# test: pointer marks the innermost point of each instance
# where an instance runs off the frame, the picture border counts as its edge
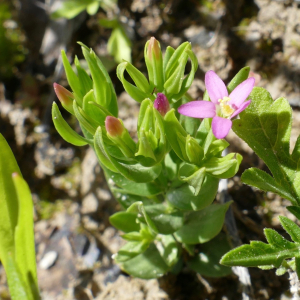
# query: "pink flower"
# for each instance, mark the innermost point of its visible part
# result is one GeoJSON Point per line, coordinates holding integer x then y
{"type": "Point", "coordinates": [223, 107]}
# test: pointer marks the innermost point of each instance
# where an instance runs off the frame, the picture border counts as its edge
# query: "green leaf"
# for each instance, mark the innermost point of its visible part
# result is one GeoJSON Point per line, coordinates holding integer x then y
{"type": "Point", "coordinates": [125, 221]}
{"type": "Point", "coordinates": [261, 254]}
{"type": "Point", "coordinates": [168, 248]}
{"type": "Point", "coordinates": [119, 45]}
{"type": "Point", "coordinates": [17, 252]}
{"type": "Point", "coordinates": [131, 170]}
{"type": "Point", "coordinates": [91, 108]}
{"type": "Point", "coordinates": [105, 94]}
{"type": "Point", "coordinates": [169, 52]}
{"type": "Point", "coordinates": [132, 90]}
{"type": "Point", "coordinates": [265, 182]}
{"type": "Point", "coordinates": [176, 135]}
{"type": "Point", "coordinates": [85, 121]}
{"type": "Point", "coordinates": [93, 8]}
{"type": "Point", "coordinates": [194, 151]}
{"type": "Point", "coordinates": [147, 265]}
{"type": "Point", "coordinates": [8, 201]}
{"type": "Point", "coordinates": [63, 128]}
{"type": "Point", "coordinates": [188, 80]}
{"type": "Point", "coordinates": [73, 80]}
{"type": "Point", "coordinates": [241, 76]}
{"type": "Point", "coordinates": [71, 8]}
{"type": "Point", "coordinates": [203, 225]}
{"type": "Point", "coordinates": [138, 77]}
{"type": "Point", "coordinates": [166, 221]}
{"type": "Point", "coordinates": [17, 287]}
{"type": "Point", "coordinates": [291, 228]}
{"type": "Point", "coordinates": [295, 210]}
{"type": "Point", "coordinates": [131, 187]}
{"type": "Point", "coordinates": [175, 58]}
{"type": "Point", "coordinates": [183, 197]}
{"type": "Point", "coordinates": [174, 83]}
{"type": "Point", "coordinates": [193, 176]}
{"type": "Point", "coordinates": [266, 126]}
{"type": "Point", "coordinates": [224, 167]}
{"type": "Point", "coordinates": [130, 250]}
{"type": "Point", "coordinates": [24, 235]}
{"type": "Point", "coordinates": [84, 79]}
{"type": "Point", "coordinates": [206, 262]}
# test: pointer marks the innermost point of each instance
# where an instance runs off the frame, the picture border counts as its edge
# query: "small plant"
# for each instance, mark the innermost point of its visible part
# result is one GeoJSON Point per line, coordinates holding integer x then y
{"type": "Point", "coordinates": [167, 180]}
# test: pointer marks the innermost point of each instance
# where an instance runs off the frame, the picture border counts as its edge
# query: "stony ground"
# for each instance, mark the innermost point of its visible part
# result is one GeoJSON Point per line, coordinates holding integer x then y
{"type": "Point", "coordinates": [74, 240]}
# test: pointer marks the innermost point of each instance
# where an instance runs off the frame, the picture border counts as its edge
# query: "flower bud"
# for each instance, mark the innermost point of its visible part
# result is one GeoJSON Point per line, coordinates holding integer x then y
{"type": "Point", "coordinates": [113, 126]}
{"type": "Point", "coordinates": [154, 62]}
{"type": "Point", "coordinates": [161, 103]}
{"type": "Point", "coordinates": [117, 133]}
{"type": "Point", "coordinates": [153, 49]}
{"type": "Point", "coordinates": [65, 97]}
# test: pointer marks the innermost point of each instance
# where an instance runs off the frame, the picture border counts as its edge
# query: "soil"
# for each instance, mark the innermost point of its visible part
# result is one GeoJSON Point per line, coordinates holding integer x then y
{"type": "Point", "coordinates": [72, 200]}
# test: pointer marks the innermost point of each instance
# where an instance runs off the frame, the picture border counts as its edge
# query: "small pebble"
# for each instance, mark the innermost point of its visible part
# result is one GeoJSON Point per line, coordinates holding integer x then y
{"type": "Point", "coordinates": [48, 260]}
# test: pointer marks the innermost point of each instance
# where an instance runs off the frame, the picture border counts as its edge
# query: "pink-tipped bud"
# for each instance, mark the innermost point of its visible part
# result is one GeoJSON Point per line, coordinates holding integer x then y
{"type": "Point", "coordinates": [64, 96]}
{"type": "Point", "coordinates": [161, 103]}
{"type": "Point", "coordinates": [153, 47]}
{"type": "Point", "coordinates": [113, 126]}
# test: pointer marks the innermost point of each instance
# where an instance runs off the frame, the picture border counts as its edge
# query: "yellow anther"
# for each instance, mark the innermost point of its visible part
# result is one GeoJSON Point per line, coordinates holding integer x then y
{"type": "Point", "coordinates": [226, 109]}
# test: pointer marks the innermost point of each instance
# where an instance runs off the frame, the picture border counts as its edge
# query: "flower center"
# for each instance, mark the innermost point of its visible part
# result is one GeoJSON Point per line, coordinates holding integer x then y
{"type": "Point", "coordinates": [226, 109]}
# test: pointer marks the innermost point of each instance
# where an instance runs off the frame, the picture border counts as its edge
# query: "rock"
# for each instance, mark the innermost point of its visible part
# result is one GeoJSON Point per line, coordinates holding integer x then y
{"type": "Point", "coordinates": [89, 204]}
{"type": "Point", "coordinates": [48, 260]}
{"type": "Point", "coordinates": [90, 168]}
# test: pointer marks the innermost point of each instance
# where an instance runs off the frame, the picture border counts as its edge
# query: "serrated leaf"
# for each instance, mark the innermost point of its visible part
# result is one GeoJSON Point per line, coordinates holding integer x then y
{"type": "Point", "coordinates": [265, 182]}
{"type": "Point", "coordinates": [291, 228]}
{"type": "Point", "coordinates": [295, 210]}
{"type": "Point", "coordinates": [259, 254]}
{"type": "Point", "coordinates": [266, 126]}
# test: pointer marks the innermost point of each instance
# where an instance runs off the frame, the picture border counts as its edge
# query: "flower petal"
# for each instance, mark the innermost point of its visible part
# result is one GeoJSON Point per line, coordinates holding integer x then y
{"type": "Point", "coordinates": [216, 88]}
{"type": "Point", "coordinates": [241, 108]}
{"type": "Point", "coordinates": [220, 127]}
{"type": "Point", "coordinates": [241, 92]}
{"type": "Point", "coordinates": [198, 109]}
